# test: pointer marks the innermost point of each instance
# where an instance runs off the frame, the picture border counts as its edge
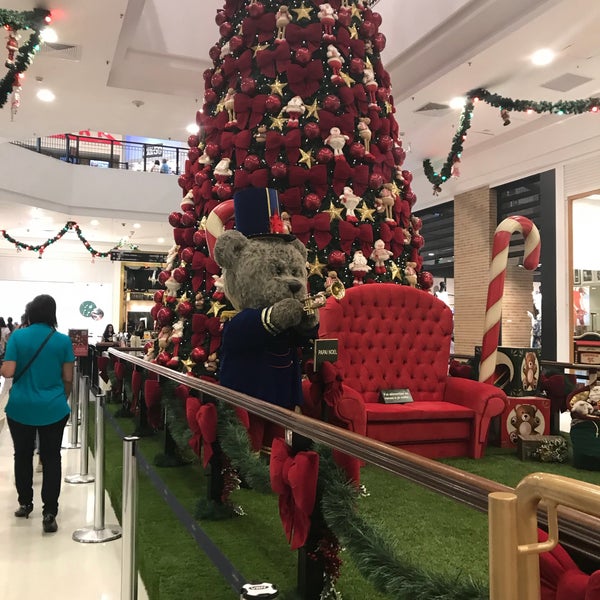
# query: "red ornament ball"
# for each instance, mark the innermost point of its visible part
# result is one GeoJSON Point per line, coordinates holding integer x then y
{"type": "Point", "coordinates": [210, 96]}
{"type": "Point", "coordinates": [236, 42]}
{"type": "Point", "coordinates": [158, 296]}
{"type": "Point", "coordinates": [345, 16]}
{"type": "Point", "coordinates": [379, 42]}
{"type": "Point", "coordinates": [410, 197]}
{"type": "Point", "coordinates": [200, 177]}
{"type": "Point", "coordinates": [154, 310]}
{"type": "Point", "coordinates": [193, 154]}
{"type": "Point", "coordinates": [303, 55]}
{"type": "Point", "coordinates": [336, 259]}
{"type": "Point", "coordinates": [383, 94]}
{"type": "Point", "coordinates": [248, 86]}
{"type": "Point", "coordinates": [198, 355]}
{"type": "Point", "coordinates": [223, 191]}
{"type": "Point", "coordinates": [312, 202]}
{"type": "Point", "coordinates": [180, 274]}
{"type": "Point", "coordinates": [256, 10]}
{"type": "Point", "coordinates": [385, 143]}
{"type": "Point", "coordinates": [279, 170]}
{"type": "Point", "coordinates": [368, 29]}
{"type": "Point", "coordinates": [199, 237]}
{"type": "Point", "coordinates": [220, 17]}
{"type": "Point", "coordinates": [188, 219]}
{"type": "Point", "coordinates": [214, 53]}
{"type": "Point", "coordinates": [273, 103]}
{"type": "Point", "coordinates": [185, 309]}
{"type": "Point", "coordinates": [193, 141]}
{"type": "Point", "coordinates": [175, 219]}
{"type": "Point", "coordinates": [357, 65]}
{"type": "Point", "coordinates": [425, 279]}
{"type": "Point", "coordinates": [331, 103]}
{"type": "Point", "coordinates": [212, 149]}
{"type": "Point", "coordinates": [375, 181]}
{"type": "Point", "coordinates": [398, 153]}
{"type": "Point", "coordinates": [226, 29]}
{"type": "Point", "coordinates": [163, 276]}
{"type": "Point", "coordinates": [183, 182]}
{"type": "Point", "coordinates": [417, 222]}
{"type": "Point", "coordinates": [251, 162]}
{"type": "Point", "coordinates": [312, 130]}
{"type": "Point", "coordinates": [417, 240]}
{"type": "Point", "coordinates": [407, 176]}
{"type": "Point", "coordinates": [187, 254]}
{"type": "Point", "coordinates": [164, 316]}
{"type": "Point", "coordinates": [357, 150]}
{"type": "Point", "coordinates": [163, 358]}
{"type": "Point", "coordinates": [376, 18]}
{"type": "Point", "coordinates": [324, 155]}
{"type": "Point", "coordinates": [217, 80]}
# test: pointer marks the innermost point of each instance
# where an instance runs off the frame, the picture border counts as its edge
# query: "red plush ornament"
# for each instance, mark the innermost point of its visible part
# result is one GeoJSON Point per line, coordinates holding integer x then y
{"type": "Point", "coordinates": [425, 280]}
{"type": "Point", "coordinates": [188, 219]}
{"type": "Point", "coordinates": [383, 94]}
{"type": "Point", "coordinates": [357, 150]}
{"type": "Point", "coordinates": [210, 96]}
{"type": "Point", "coordinates": [375, 181]}
{"type": "Point", "coordinates": [324, 155]}
{"type": "Point", "coordinates": [215, 53]}
{"type": "Point", "coordinates": [345, 16]}
{"type": "Point", "coordinates": [185, 309]}
{"type": "Point", "coordinates": [212, 150]}
{"type": "Point", "coordinates": [193, 141]}
{"type": "Point", "coordinates": [251, 162]}
{"type": "Point", "coordinates": [199, 237]}
{"type": "Point", "coordinates": [368, 29]}
{"type": "Point", "coordinates": [154, 310]}
{"type": "Point", "coordinates": [223, 191]}
{"type": "Point", "coordinates": [312, 130]}
{"type": "Point", "coordinates": [385, 143]}
{"type": "Point", "coordinates": [180, 274]}
{"type": "Point", "coordinates": [279, 170]}
{"type": "Point", "coordinates": [164, 316]}
{"type": "Point", "coordinates": [336, 259]}
{"type": "Point", "coordinates": [226, 29]}
{"type": "Point", "coordinates": [273, 103]}
{"type": "Point", "coordinates": [236, 42]}
{"type": "Point", "coordinates": [255, 9]}
{"type": "Point", "coordinates": [379, 42]}
{"type": "Point", "coordinates": [357, 65]}
{"type": "Point", "coordinates": [312, 202]}
{"type": "Point", "coordinates": [217, 80]}
{"type": "Point", "coordinates": [183, 182]}
{"type": "Point", "coordinates": [200, 177]}
{"type": "Point", "coordinates": [198, 355]}
{"type": "Point", "coordinates": [220, 17]}
{"type": "Point", "coordinates": [158, 296]}
{"type": "Point", "coordinates": [163, 358]}
{"type": "Point", "coordinates": [175, 219]}
{"type": "Point", "coordinates": [303, 55]}
{"type": "Point", "coordinates": [417, 240]}
{"type": "Point", "coordinates": [248, 86]}
{"type": "Point", "coordinates": [163, 276]}
{"type": "Point", "coordinates": [193, 154]}
{"type": "Point", "coordinates": [407, 176]}
{"type": "Point", "coordinates": [376, 18]}
{"type": "Point", "coordinates": [331, 103]}
{"type": "Point", "coordinates": [187, 254]}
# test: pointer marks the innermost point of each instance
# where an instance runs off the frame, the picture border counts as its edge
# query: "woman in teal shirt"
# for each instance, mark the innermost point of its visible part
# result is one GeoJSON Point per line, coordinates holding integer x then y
{"type": "Point", "coordinates": [41, 362]}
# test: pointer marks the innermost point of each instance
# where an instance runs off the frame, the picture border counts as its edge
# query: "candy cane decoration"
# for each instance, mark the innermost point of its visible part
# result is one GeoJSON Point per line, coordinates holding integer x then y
{"type": "Point", "coordinates": [493, 313]}
{"type": "Point", "coordinates": [215, 223]}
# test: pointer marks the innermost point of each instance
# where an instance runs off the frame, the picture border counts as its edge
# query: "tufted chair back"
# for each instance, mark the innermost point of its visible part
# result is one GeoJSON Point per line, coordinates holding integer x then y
{"type": "Point", "coordinates": [390, 337]}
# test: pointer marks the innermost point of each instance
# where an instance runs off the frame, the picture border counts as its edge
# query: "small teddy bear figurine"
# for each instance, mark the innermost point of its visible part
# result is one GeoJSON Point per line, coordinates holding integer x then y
{"type": "Point", "coordinates": [364, 133]}
{"type": "Point", "coordinates": [379, 255]}
{"type": "Point", "coordinates": [261, 134]}
{"type": "Point", "coordinates": [229, 103]}
{"type": "Point", "coordinates": [337, 140]}
{"type": "Point", "coordinates": [222, 171]}
{"type": "Point", "coordinates": [359, 267]}
{"type": "Point", "coordinates": [295, 109]}
{"type": "Point", "coordinates": [282, 20]}
{"type": "Point", "coordinates": [350, 200]}
{"type": "Point", "coordinates": [410, 273]}
{"type": "Point", "coordinates": [371, 84]}
{"type": "Point", "coordinates": [335, 60]}
{"type": "Point", "coordinates": [327, 16]}
{"type": "Point", "coordinates": [384, 203]}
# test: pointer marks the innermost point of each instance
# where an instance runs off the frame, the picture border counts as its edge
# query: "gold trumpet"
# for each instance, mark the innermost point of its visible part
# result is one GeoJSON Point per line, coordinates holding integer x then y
{"type": "Point", "coordinates": [316, 301]}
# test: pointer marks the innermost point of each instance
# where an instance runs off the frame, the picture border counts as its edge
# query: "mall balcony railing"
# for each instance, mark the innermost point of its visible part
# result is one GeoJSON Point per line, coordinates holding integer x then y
{"type": "Point", "coordinates": [107, 152]}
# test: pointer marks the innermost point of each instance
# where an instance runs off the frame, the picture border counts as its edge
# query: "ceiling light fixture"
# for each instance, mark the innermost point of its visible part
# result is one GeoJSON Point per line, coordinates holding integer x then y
{"type": "Point", "coordinates": [542, 57]}
{"type": "Point", "coordinates": [48, 35]}
{"type": "Point", "coordinates": [458, 103]}
{"type": "Point", "coordinates": [94, 222]}
{"type": "Point", "coordinates": [46, 95]}
{"type": "Point", "coordinates": [136, 225]}
{"type": "Point", "coordinates": [161, 240]}
{"type": "Point", "coordinates": [192, 128]}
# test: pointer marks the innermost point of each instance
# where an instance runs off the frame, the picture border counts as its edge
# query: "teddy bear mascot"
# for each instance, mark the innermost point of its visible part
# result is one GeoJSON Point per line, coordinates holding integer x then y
{"type": "Point", "coordinates": [265, 279]}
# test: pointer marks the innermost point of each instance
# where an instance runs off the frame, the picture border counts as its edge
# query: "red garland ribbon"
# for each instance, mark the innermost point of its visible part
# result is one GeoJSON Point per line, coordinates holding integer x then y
{"type": "Point", "coordinates": [227, 141]}
{"type": "Point", "coordinates": [349, 233]}
{"type": "Point", "coordinates": [354, 99]}
{"type": "Point", "coordinates": [397, 241]}
{"type": "Point", "coordinates": [305, 81]}
{"type": "Point", "coordinates": [290, 141]}
{"type": "Point", "coordinates": [298, 36]}
{"type": "Point", "coordinates": [319, 227]}
{"type": "Point", "coordinates": [136, 388]}
{"type": "Point", "coordinates": [294, 478]}
{"type": "Point", "coordinates": [199, 270]}
{"type": "Point", "coordinates": [243, 63]}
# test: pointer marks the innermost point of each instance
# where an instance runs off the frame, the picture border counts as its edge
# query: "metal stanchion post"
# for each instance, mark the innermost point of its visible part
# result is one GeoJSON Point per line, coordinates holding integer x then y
{"type": "Point", "coordinates": [73, 443]}
{"type": "Point", "coordinates": [129, 520]}
{"type": "Point", "coordinates": [83, 476]}
{"type": "Point", "coordinates": [99, 532]}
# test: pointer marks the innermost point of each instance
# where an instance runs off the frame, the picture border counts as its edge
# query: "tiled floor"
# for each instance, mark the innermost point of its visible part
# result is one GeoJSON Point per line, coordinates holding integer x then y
{"type": "Point", "coordinates": [35, 565]}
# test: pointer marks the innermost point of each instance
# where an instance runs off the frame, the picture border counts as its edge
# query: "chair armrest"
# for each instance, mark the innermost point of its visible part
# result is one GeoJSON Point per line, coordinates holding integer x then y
{"type": "Point", "coordinates": [483, 398]}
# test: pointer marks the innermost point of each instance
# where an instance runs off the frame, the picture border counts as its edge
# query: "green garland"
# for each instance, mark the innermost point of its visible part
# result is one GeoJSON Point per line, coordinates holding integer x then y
{"type": "Point", "coordinates": [16, 21]}
{"type": "Point", "coordinates": [41, 247]}
{"type": "Point", "coordinates": [506, 105]}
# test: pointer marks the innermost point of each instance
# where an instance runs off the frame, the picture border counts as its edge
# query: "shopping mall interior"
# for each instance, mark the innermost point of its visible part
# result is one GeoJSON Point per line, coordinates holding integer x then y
{"type": "Point", "coordinates": [120, 88]}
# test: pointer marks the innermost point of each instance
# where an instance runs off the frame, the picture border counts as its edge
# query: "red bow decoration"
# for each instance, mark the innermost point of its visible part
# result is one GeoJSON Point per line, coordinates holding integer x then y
{"type": "Point", "coordinates": [360, 179]}
{"type": "Point", "coordinates": [136, 388]}
{"type": "Point", "coordinates": [354, 99]}
{"type": "Point", "coordinates": [272, 62]}
{"type": "Point", "coordinates": [226, 144]}
{"type": "Point", "coordinates": [258, 178]}
{"type": "Point", "coordinates": [202, 419]}
{"type": "Point", "coordinates": [397, 241]}
{"type": "Point", "coordinates": [291, 200]}
{"type": "Point", "coordinates": [229, 66]}
{"type": "Point", "coordinates": [242, 143]}
{"type": "Point", "coordinates": [305, 81]}
{"type": "Point", "coordinates": [152, 398]}
{"type": "Point", "coordinates": [199, 270]}
{"type": "Point", "coordinates": [386, 233]}
{"type": "Point", "coordinates": [341, 173]}
{"type": "Point", "coordinates": [345, 122]}
{"type": "Point", "coordinates": [275, 141]}
{"type": "Point", "coordinates": [310, 36]}
{"type": "Point", "coordinates": [212, 268]}
{"type": "Point", "coordinates": [316, 177]}
{"type": "Point", "coordinates": [263, 26]}
{"type": "Point", "coordinates": [319, 227]}
{"type": "Point", "coordinates": [199, 329]}
{"type": "Point", "coordinates": [243, 63]}
{"type": "Point", "coordinates": [349, 233]}
{"type": "Point", "coordinates": [242, 105]}
{"type": "Point", "coordinates": [215, 330]}
{"type": "Point", "coordinates": [294, 478]}
{"type": "Point", "coordinates": [119, 370]}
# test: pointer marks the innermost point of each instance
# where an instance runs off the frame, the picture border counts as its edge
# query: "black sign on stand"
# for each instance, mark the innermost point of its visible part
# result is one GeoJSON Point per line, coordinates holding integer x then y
{"type": "Point", "coordinates": [325, 351]}
{"type": "Point", "coordinates": [145, 257]}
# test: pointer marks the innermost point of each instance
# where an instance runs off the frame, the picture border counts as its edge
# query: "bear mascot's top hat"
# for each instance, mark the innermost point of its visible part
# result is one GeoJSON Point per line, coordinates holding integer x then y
{"type": "Point", "coordinates": [256, 212]}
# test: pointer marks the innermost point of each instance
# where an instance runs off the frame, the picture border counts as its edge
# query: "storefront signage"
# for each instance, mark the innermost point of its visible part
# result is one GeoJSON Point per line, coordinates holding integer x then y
{"type": "Point", "coordinates": [143, 257]}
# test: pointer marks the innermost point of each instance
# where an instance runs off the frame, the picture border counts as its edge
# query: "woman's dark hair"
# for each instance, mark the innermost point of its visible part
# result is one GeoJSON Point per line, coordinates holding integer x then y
{"type": "Point", "coordinates": [106, 333]}
{"type": "Point", "coordinates": [2, 322]}
{"type": "Point", "coordinates": [42, 309]}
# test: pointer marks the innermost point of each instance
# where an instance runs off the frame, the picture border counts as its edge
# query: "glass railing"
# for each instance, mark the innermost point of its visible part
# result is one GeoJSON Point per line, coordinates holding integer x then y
{"type": "Point", "coordinates": [109, 153]}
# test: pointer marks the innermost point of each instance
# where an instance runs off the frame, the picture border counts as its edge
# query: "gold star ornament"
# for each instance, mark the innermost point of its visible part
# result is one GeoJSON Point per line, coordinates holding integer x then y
{"type": "Point", "coordinates": [335, 212]}
{"type": "Point", "coordinates": [215, 307]}
{"type": "Point", "coordinates": [277, 122]}
{"type": "Point", "coordinates": [316, 267]}
{"type": "Point", "coordinates": [303, 12]}
{"type": "Point", "coordinates": [306, 158]}
{"type": "Point", "coordinates": [353, 32]}
{"type": "Point", "coordinates": [347, 79]}
{"type": "Point", "coordinates": [312, 110]}
{"type": "Point", "coordinates": [395, 269]}
{"type": "Point", "coordinates": [366, 213]}
{"type": "Point", "coordinates": [188, 364]}
{"type": "Point", "coordinates": [277, 87]}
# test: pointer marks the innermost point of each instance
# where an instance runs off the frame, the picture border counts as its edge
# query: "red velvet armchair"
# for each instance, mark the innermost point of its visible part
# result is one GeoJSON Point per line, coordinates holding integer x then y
{"type": "Point", "coordinates": [394, 337]}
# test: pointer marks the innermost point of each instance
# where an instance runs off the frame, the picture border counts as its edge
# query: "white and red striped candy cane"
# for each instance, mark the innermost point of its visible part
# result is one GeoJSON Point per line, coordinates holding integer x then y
{"type": "Point", "coordinates": [493, 311]}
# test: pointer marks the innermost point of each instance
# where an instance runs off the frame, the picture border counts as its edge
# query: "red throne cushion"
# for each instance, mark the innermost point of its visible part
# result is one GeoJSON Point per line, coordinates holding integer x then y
{"type": "Point", "coordinates": [396, 337]}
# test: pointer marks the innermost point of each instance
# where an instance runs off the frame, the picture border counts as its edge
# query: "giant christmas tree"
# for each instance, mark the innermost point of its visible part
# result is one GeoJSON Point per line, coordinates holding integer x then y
{"type": "Point", "coordinates": [297, 100]}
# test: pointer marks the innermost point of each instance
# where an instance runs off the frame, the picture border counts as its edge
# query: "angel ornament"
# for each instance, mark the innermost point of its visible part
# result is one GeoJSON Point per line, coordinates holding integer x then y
{"type": "Point", "coordinates": [350, 200]}
{"type": "Point", "coordinates": [295, 109]}
{"type": "Point", "coordinates": [282, 20]}
{"type": "Point", "coordinates": [337, 140]}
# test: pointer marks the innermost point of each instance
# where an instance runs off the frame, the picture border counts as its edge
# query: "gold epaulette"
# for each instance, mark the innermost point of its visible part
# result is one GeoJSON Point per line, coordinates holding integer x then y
{"type": "Point", "coordinates": [227, 315]}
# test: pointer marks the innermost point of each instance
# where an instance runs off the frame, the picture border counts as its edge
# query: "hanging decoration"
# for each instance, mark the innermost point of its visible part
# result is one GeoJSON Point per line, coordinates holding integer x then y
{"type": "Point", "coordinates": [506, 106]}
{"type": "Point", "coordinates": [41, 247]}
{"type": "Point", "coordinates": [19, 58]}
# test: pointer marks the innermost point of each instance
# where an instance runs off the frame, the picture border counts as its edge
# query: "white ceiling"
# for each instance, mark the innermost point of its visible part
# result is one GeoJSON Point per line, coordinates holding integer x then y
{"type": "Point", "coordinates": [156, 51]}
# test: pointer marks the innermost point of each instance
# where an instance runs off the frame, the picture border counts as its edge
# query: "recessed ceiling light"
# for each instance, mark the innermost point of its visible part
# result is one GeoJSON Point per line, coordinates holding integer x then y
{"type": "Point", "coordinates": [458, 102]}
{"type": "Point", "coordinates": [45, 95]}
{"type": "Point", "coordinates": [192, 128]}
{"type": "Point", "coordinates": [48, 35]}
{"type": "Point", "coordinates": [431, 254]}
{"type": "Point", "coordinates": [94, 222]}
{"type": "Point", "coordinates": [136, 225]}
{"type": "Point", "coordinates": [542, 57]}
{"type": "Point", "coordinates": [161, 240]}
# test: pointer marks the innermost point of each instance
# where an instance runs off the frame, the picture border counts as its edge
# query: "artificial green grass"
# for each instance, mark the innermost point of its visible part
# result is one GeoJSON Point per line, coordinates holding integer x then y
{"type": "Point", "coordinates": [428, 529]}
